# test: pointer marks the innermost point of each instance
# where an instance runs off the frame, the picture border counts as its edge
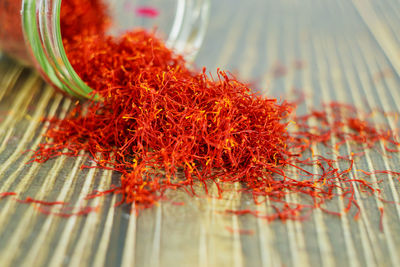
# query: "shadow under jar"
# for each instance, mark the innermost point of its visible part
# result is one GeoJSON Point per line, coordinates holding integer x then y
{"type": "Point", "coordinates": [30, 32]}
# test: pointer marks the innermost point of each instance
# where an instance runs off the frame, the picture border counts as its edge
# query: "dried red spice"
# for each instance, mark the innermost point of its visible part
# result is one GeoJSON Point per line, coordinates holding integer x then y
{"type": "Point", "coordinates": [152, 112]}
{"type": "Point", "coordinates": [7, 194]}
{"type": "Point", "coordinates": [30, 200]}
{"type": "Point", "coordinates": [239, 231]}
{"type": "Point", "coordinates": [164, 126]}
{"type": "Point", "coordinates": [279, 70]}
{"type": "Point", "coordinates": [147, 11]}
{"type": "Point", "coordinates": [11, 35]}
{"type": "Point", "coordinates": [80, 19]}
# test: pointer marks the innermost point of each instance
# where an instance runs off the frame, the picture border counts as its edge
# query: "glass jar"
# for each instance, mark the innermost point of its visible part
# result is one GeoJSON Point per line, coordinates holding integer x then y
{"type": "Point", "coordinates": [30, 32]}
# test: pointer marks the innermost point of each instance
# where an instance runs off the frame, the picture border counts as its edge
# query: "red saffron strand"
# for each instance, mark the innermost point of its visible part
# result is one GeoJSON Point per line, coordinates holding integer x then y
{"type": "Point", "coordinates": [381, 218]}
{"type": "Point", "coordinates": [147, 11]}
{"type": "Point", "coordinates": [7, 194]}
{"type": "Point", "coordinates": [239, 231]}
{"type": "Point", "coordinates": [41, 202]}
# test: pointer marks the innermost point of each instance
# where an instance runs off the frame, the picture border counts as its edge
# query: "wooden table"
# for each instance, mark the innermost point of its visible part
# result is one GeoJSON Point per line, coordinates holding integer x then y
{"type": "Point", "coordinates": [345, 50]}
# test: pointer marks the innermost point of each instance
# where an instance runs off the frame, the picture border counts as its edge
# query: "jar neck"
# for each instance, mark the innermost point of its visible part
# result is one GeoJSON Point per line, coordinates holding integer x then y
{"type": "Point", "coordinates": [41, 26]}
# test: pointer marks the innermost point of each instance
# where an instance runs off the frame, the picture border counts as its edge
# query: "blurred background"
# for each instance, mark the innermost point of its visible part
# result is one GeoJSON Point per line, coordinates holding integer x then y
{"type": "Point", "coordinates": [328, 50]}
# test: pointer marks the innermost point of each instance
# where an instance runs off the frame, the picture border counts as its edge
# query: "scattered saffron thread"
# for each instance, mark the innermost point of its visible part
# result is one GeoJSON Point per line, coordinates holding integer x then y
{"type": "Point", "coordinates": [7, 194]}
{"type": "Point", "coordinates": [147, 11]}
{"type": "Point", "coordinates": [46, 207]}
{"type": "Point", "coordinates": [381, 218]}
{"type": "Point", "coordinates": [239, 231]}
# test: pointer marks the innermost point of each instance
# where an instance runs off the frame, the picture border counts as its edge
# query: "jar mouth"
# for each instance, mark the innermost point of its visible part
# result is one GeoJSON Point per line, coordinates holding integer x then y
{"type": "Point", "coordinates": [45, 45]}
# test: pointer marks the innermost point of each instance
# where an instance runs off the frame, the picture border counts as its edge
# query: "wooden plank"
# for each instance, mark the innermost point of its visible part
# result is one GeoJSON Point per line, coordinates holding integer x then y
{"type": "Point", "coordinates": [343, 45]}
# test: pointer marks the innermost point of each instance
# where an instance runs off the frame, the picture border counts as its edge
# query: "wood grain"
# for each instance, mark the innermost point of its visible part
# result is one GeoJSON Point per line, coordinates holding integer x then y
{"type": "Point", "coordinates": [349, 52]}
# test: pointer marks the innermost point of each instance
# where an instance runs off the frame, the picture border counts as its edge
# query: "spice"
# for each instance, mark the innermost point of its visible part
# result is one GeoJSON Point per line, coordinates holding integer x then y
{"type": "Point", "coordinates": [41, 202]}
{"type": "Point", "coordinates": [239, 231]}
{"type": "Point", "coordinates": [279, 70]}
{"type": "Point", "coordinates": [11, 35]}
{"type": "Point", "coordinates": [7, 194]}
{"type": "Point", "coordinates": [156, 115]}
{"type": "Point", "coordinates": [164, 126]}
{"type": "Point", "coordinates": [81, 19]}
{"type": "Point", "coordinates": [147, 11]}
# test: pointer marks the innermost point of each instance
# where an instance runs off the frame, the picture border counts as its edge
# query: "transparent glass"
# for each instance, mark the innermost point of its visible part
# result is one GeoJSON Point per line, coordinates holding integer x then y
{"type": "Point", "coordinates": [35, 38]}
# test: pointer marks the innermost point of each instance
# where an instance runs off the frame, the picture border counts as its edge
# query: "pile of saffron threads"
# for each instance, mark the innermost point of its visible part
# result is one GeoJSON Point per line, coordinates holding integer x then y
{"type": "Point", "coordinates": [164, 126]}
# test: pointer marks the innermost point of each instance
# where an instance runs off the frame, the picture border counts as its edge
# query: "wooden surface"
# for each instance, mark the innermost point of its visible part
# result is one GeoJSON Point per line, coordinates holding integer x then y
{"type": "Point", "coordinates": [350, 51]}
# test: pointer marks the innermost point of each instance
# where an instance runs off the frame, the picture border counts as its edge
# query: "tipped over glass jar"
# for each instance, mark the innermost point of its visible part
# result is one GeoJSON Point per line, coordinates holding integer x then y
{"type": "Point", "coordinates": [31, 33]}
